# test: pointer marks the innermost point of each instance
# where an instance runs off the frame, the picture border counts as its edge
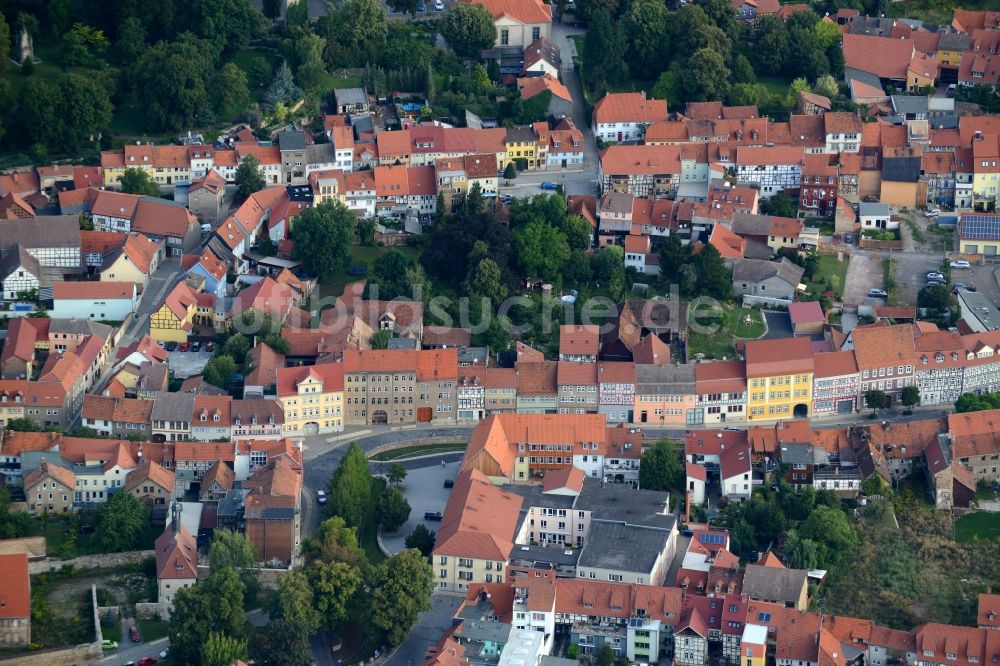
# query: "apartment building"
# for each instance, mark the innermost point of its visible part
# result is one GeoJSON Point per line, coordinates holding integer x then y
{"type": "Point", "coordinates": [836, 383]}
{"type": "Point", "coordinates": [312, 398]}
{"type": "Point", "coordinates": [624, 117]}
{"type": "Point", "coordinates": [665, 395]}
{"type": "Point", "coordinates": [779, 378]}
{"type": "Point", "coordinates": [577, 384]}
{"type": "Point", "coordinates": [616, 385]}
{"type": "Point", "coordinates": [886, 358]}
{"type": "Point", "coordinates": [721, 390]}
{"type": "Point", "coordinates": [939, 367]}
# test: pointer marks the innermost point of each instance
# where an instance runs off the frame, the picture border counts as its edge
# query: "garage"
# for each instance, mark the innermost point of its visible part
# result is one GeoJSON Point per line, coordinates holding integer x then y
{"type": "Point", "coordinates": [845, 407]}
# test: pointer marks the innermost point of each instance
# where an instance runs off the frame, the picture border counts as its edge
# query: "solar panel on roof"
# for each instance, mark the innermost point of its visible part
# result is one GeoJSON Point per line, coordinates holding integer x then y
{"type": "Point", "coordinates": [711, 539]}
{"type": "Point", "coordinates": [982, 227]}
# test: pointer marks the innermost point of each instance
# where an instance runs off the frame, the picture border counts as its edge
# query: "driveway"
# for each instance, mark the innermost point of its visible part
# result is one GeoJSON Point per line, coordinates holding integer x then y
{"type": "Point", "coordinates": [864, 272]}
{"type": "Point", "coordinates": [779, 325]}
{"type": "Point", "coordinates": [187, 364]}
{"type": "Point", "coordinates": [425, 491]}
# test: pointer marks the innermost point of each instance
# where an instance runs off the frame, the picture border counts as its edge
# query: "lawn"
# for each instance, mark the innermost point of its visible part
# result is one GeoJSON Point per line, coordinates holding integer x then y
{"type": "Point", "coordinates": [363, 256]}
{"type": "Point", "coordinates": [152, 630]}
{"type": "Point", "coordinates": [737, 324]}
{"type": "Point", "coordinates": [977, 526]}
{"type": "Point", "coordinates": [418, 450]}
{"type": "Point", "coordinates": [776, 85]}
{"type": "Point", "coordinates": [829, 274]}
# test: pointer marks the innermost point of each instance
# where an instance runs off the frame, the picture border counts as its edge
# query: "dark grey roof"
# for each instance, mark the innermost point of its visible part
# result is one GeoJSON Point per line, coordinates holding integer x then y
{"type": "Point", "coordinates": [615, 502]}
{"type": "Point", "coordinates": [80, 327]}
{"type": "Point", "coordinates": [673, 378]}
{"type": "Point", "coordinates": [40, 231]}
{"type": "Point", "coordinates": [473, 355]}
{"type": "Point", "coordinates": [773, 584]}
{"type": "Point", "coordinates": [350, 96]}
{"type": "Point", "coordinates": [533, 495]}
{"type": "Point", "coordinates": [292, 140]}
{"type": "Point", "coordinates": [872, 25]}
{"type": "Point", "coordinates": [901, 169]}
{"type": "Point", "coordinates": [232, 503]}
{"type": "Point", "coordinates": [299, 193]}
{"type": "Point", "coordinates": [862, 77]}
{"type": "Point", "coordinates": [623, 548]}
{"type": "Point", "coordinates": [361, 122]}
{"type": "Point", "coordinates": [522, 134]}
{"type": "Point", "coordinates": [756, 270]}
{"type": "Point", "coordinates": [803, 454]}
{"type": "Point", "coordinates": [867, 209]}
{"type": "Point", "coordinates": [402, 343]}
{"type": "Point", "coordinates": [912, 104]}
{"type": "Point", "coordinates": [19, 257]}
{"type": "Point", "coordinates": [173, 407]}
{"type": "Point", "coordinates": [551, 555]}
{"type": "Point", "coordinates": [321, 153]}
{"type": "Point", "coordinates": [954, 41]}
{"type": "Point", "coordinates": [746, 224]}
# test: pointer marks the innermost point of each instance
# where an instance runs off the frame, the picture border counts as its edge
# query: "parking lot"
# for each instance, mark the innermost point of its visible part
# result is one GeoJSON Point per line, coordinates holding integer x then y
{"type": "Point", "coordinates": [425, 491]}
{"type": "Point", "coordinates": [187, 364]}
{"type": "Point", "coordinates": [982, 277]}
{"type": "Point", "coordinates": [911, 275]}
{"type": "Point", "coordinates": [863, 273]}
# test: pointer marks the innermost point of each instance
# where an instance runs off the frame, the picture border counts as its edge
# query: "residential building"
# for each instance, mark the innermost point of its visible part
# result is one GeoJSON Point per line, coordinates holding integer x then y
{"type": "Point", "coordinates": [836, 383]}
{"type": "Point", "coordinates": [721, 390]}
{"type": "Point", "coordinates": [975, 445]}
{"type": "Point", "coordinates": [53, 240]}
{"type": "Point", "coordinates": [174, 319]}
{"type": "Point", "coordinates": [104, 301]}
{"type": "Point", "coordinates": [979, 233]}
{"type": "Point", "coordinates": [151, 483]}
{"type": "Point", "coordinates": [206, 196]}
{"type": "Point", "coordinates": [665, 395]}
{"type": "Point", "coordinates": [49, 489]}
{"type": "Point", "coordinates": [767, 281]}
{"type": "Point", "coordinates": [876, 216]}
{"type": "Point", "coordinates": [616, 390]}
{"type": "Point", "coordinates": [577, 385]}
{"type": "Point", "coordinates": [779, 378]}
{"type": "Point", "coordinates": [779, 585]}
{"type": "Point", "coordinates": [171, 416]}
{"type": "Point", "coordinates": [176, 561]}
{"type": "Point", "coordinates": [15, 611]}
{"type": "Point", "coordinates": [519, 22]}
{"type": "Point", "coordinates": [312, 398]}
{"type": "Point", "coordinates": [579, 342]}
{"type": "Point", "coordinates": [20, 273]}
{"type": "Point", "coordinates": [537, 387]}
{"type": "Point", "coordinates": [982, 354]}
{"type": "Point", "coordinates": [773, 168]}
{"type": "Point", "coordinates": [940, 366]}
{"type": "Point", "coordinates": [500, 396]}
{"type": "Point", "coordinates": [623, 117]}
{"type": "Point", "coordinates": [273, 511]}
{"type": "Point", "coordinates": [886, 358]}
{"type": "Point", "coordinates": [117, 417]}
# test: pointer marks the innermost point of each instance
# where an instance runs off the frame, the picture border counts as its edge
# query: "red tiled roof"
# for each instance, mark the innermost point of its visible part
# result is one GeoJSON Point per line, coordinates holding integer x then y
{"type": "Point", "coordinates": [479, 521]}
{"type": "Point", "coordinates": [15, 587]}
{"type": "Point", "coordinates": [633, 107]}
{"type": "Point", "coordinates": [884, 57]}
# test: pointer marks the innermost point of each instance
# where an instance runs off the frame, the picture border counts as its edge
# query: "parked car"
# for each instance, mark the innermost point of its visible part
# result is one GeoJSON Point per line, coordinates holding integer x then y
{"type": "Point", "coordinates": [163, 345]}
{"type": "Point", "coordinates": [209, 346]}
{"type": "Point", "coordinates": [449, 483]}
{"type": "Point", "coordinates": [548, 185]}
{"type": "Point", "coordinates": [952, 88]}
{"type": "Point", "coordinates": [438, 6]}
{"type": "Point", "coordinates": [358, 270]}
{"type": "Point", "coordinates": [506, 198]}
{"type": "Point", "coordinates": [195, 346]}
{"type": "Point", "coordinates": [935, 283]}
{"type": "Point", "coordinates": [960, 286]}
{"type": "Point", "coordinates": [171, 346]}
{"type": "Point", "coordinates": [960, 263]}
{"type": "Point", "coordinates": [849, 239]}
{"type": "Point", "coordinates": [687, 533]}
{"type": "Point", "coordinates": [935, 275]}
{"type": "Point", "coordinates": [877, 293]}
{"type": "Point", "coordinates": [321, 497]}
{"type": "Point", "coordinates": [185, 346]}
{"type": "Point", "coordinates": [421, 7]}
{"type": "Point", "coordinates": [932, 212]}
{"type": "Point", "coordinates": [147, 661]}
{"type": "Point", "coordinates": [133, 634]}
{"type": "Point", "coordinates": [433, 515]}
{"type": "Point", "coordinates": [109, 644]}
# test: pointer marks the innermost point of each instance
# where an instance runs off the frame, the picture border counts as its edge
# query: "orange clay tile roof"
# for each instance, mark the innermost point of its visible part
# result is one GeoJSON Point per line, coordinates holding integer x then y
{"type": "Point", "coordinates": [114, 204]}
{"type": "Point", "coordinates": [567, 477]}
{"type": "Point", "coordinates": [571, 373]}
{"type": "Point", "coordinates": [99, 242]}
{"type": "Point", "coordinates": [534, 85]}
{"type": "Point", "coordinates": [768, 155]}
{"type": "Point", "coordinates": [729, 245]}
{"type": "Point", "coordinates": [176, 555]}
{"type": "Point", "coordinates": [220, 473]}
{"type": "Point", "coordinates": [437, 364]}
{"type": "Point", "coordinates": [880, 346]}
{"type": "Point", "coordinates": [630, 107]}
{"type": "Point", "coordinates": [479, 521]}
{"type": "Point", "coordinates": [153, 472]}
{"type": "Point", "coordinates": [579, 339]}
{"type": "Point", "coordinates": [171, 157]}
{"type": "Point", "coordinates": [884, 57]}
{"type": "Point", "coordinates": [537, 378]}
{"type": "Point", "coordinates": [331, 374]}
{"type": "Point", "coordinates": [208, 407]}
{"type": "Point", "coordinates": [141, 250]}
{"type": "Point", "coordinates": [280, 477]}
{"type": "Point", "coordinates": [90, 290]}
{"type": "Point", "coordinates": [620, 159]}
{"type": "Point", "coordinates": [768, 358]}
{"type": "Point", "coordinates": [835, 364]}
{"type": "Point", "coordinates": [382, 360]}
{"type": "Point", "coordinates": [975, 433]}
{"type": "Point", "coordinates": [162, 219]}
{"type": "Point", "coordinates": [202, 451]}
{"type": "Point", "coordinates": [15, 585]}
{"type": "Point", "coordinates": [46, 471]}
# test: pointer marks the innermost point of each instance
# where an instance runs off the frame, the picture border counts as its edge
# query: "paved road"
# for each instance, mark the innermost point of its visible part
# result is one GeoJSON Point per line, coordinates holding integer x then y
{"type": "Point", "coordinates": [428, 630]}
{"type": "Point", "coordinates": [162, 281]}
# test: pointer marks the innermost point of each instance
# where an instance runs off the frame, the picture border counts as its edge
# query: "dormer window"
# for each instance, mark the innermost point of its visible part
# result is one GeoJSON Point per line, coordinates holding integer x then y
{"type": "Point", "coordinates": [237, 420]}
{"type": "Point", "coordinates": [215, 417]}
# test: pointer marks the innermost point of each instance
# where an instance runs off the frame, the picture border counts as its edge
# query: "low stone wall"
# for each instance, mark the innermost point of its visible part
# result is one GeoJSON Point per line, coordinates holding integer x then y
{"type": "Point", "coordinates": [107, 560]}
{"type": "Point", "coordinates": [267, 577]}
{"type": "Point", "coordinates": [70, 656]}
{"type": "Point", "coordinates": [98, 630]}
{"type": "Point", "coordinates": [413, 442]}
{"type": "Point", "coordinates": [150, 611]}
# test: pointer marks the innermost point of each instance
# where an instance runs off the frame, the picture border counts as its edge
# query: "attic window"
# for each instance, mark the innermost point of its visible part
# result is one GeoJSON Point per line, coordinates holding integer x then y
{"type": "Point", "coordinates": [237, 420]}
{"type": "Point", "coordinates": [215, 417]}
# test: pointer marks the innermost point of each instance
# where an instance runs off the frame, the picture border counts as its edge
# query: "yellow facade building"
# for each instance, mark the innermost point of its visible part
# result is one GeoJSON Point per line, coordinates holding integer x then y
{"type": "Point", "coordinates": [173, 320]}
{"type": "Point", "coordinates": [779, 378]}
{"type": "Point", "coordinates": [312, 398]}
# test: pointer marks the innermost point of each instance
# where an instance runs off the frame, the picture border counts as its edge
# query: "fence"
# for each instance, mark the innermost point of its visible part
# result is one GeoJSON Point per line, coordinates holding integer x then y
{"type": "Point", "coordinates": [872, 244]}
{"type": "Point", "coordinates": [750, 300]}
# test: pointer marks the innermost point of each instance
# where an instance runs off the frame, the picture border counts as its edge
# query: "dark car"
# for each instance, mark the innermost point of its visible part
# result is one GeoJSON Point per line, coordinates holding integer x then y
{"type": "Point", "coordinates": [195, 346]}
{"type": "Point", "coordinates": [449, 483]}
{"type": "Point", "coordinates": [133, 634]}
{"type": "Point", "coordinates": [550, 186]}
{"type": "Point", "coordinates": [687, 533]}
{"type": "Point", "coordinates": [433, 515]}
{"type": "Point", "coordinates": [147, 661]}
{"type": "Point", "coordinates": [358, 270]}
{"type": "Point", "coordinates": [171, 346]}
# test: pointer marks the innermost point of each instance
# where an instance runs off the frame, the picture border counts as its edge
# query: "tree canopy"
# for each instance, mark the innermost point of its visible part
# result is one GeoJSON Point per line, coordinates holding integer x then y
{"type": "Point", "coordinates": [468, 28]}
{"type": "Point", "coordinates": [323, 236]}
{"type": "Point", "coordinates": [401, 589]}
{"type": "Point", "coordinates": [392, 509]}
{"type": "Point", "coordinates": [120, 522]}
{"type": "Point", "coordinates": [349, 487]}
{"type": "Point", "coordinates": [660, 467]}
{"type": "Point", "coordinates": [214, 605]}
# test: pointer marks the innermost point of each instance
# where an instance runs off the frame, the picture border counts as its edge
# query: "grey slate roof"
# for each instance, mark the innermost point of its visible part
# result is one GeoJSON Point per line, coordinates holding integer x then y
{"type": "Point", "coordinates": [756, 270]}
{"type": "Point", "coordinates": [746, 224]}
{"type": "Point", "coordinates": [321, 153]}
{"type": "Point", "coordinates": [616, 502]}
{"type": "Point", "coordinates": [901, 169]}
{"type": "Point", "coordinates": [80, 327]}
{"type": "Point", "coordinates": [912, 104]}
{"type": "Point", "coordinates": [173, 407]}
{"type": "Point", "coordinates": [350, 96]}
{"type": "Point", "coordinates": [17, 256]}
{"type": "Point", "coordinates": [291, 140]}
{"type": "Point", "coordinates": [954, 41]}
{"type": "Point", "coordinates": [674, 378]}
{"type": "Point", "coordinates": [773, 584]}
{"type": "Point", "coordinates": [40, 231]}
{"type": "Point", "coordinates": [866, 209]}
{"type": "Point", "coordinates": [623, 548]}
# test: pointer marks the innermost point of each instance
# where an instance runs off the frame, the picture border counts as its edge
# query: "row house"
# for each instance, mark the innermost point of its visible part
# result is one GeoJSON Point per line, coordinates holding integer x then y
{"type": "Point", "coordinates": [257, 418]}
{"type": "Point", "coordinates": [401, 190]}
{"type": "Point", "coordinates": [842, 132]}
{"type": "Point", "coordinates": [623, 117]}
{"type": "Point", "coordinates": [472, 394]}
{"type": "Point", "coordinates": [117, 417]}
{"type": "Point", "coordinates": [665, 395]}
{"type": "Point", "coordinates": [269, 159]}
{"type": "Point", "coordinates": [939, 367]}
{"type": "Point", "coordinates": [312, 398]}
{"type": "Point", "coordinates": [818, 191]}
{"type": "Point", "coordinates": [500, 395]}
{"type": "Point", "coordinates": [641, 171]}
{"type": "Point", "coordinates": [616, 390]}
{"type": "Point", "coordinates": [457, 176]}
{"type": "Point", "coordinates": [774, 168]}
{"type": "Point", "coordinates": [885, 357]}
{"type": "Point", "coordinates": [721, 392]}
{"type": "Point", "coordinates": [100, 467]}
{"type": "Point", "coordinates": [836, 387]}
{"type": "Point", "coordinates": [577, 384]}
{"type": "Point", "coordinates": [400, 386]}
{"type": "Point", "coordinates": [779, 378]}
{"type": "Point", "coordinates": [53, 240]}
{"type": "Point", "coordinates": [982, 356]}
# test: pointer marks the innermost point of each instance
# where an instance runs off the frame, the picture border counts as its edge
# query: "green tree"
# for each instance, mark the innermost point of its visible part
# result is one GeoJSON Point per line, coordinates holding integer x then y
{"type": "Point", "coordinates": [354, 33]}
{"type": "Point", "coordinates": [212, 605]}
{"type": "Point", "coordinates": [468, 29]}
{"type": "Point", "coordinates": [5, 44]}
{"type": "Point", "coordinates": [63, 114]}
{"type": "Point", "coordinates": [833, 533]}
{"type": "Point", "coordinates": [248, 177]}
{"type": "Point", "coordinates": [323, 236]}
{"type": "Point", "coordinates": [232, 95]}
{"type": "Point", "coordinates": [660, 467]}
{"type": "Point", "coordinates": [603, 52]}
{"type": "Point", "coordinates": [29, 425]}
{"type": "Point", "coordinates": [237, 347]}
{"type": "Point", "coordinates": [422, 539]}
{"type": "Point", "coordinates": [334, 585]}
{"type": "Point", "coordinates": [138, 181]}
{"type": "Point", "coordinates": [779, 204]}
{"type": "Point", "coordinates": [801, 553]}
{"type": "Point", "coordinates": [229, 23]}
{"type": "Point", "coordinates": [401, 589]}
{"type": "Point", "coordinates": [131, 41]}
{"type": "Point", "coordinates": [771, 49]}
{"type": "Point", "coordinates": [350, 487]}
{"type": "Point", "coordinates": [389, 273]}
{"type": "Point", "coordinates": [293, 602]}
{"type": "Point", "coordinates": [509, 172]}
{"type": "Point", "coordinates": [875, 400]}
{"type": "Point", "coordinates": [541, 249]}
{"type": "Point", "coordinates": [605, 655]}
{"type": "Point", "coordinates": [283, 88]}
{"type": "Point", "coordinates": [334, 541]}
{"type": "Point", "coordinates": [827, 86]}
{"type": "Point", "coordinates": [218, 371]}
{"type": "Point", "coordinates": [380, 339]}
{"type": "Point", "coordinates": [396, 473]}
{"type": "Point", "coordinates": [234, 550]}
{"type": "Point", "coordinates": [83, 45]}
{"type": "Point", "coordinates": [16, 524]}
{"type": "Point", "coordinates": [645, 26]}
{"type": "Point", "coordinates": [714, 278]}
{"type": "Point", "coordinates": [392, 509]}
{"type": "Point", "coordinates": [271, 9]}
{"type": "Point", "coordinates": [281, 642]}
{"type": "Point", "coordinates": [170, 79]}
{"type": "Point", "coordinates": [404, 6]}
{"type": "Point", "coordinates": [486, 281]}
{"type": "Point", "coordinates": [910, 396]}
{"type": "Point", "coordinates": [221, 650]}
{"type": "Point", "coordinates": [706, 76]}
{"type": "Point", "coordinates": [120, 523]}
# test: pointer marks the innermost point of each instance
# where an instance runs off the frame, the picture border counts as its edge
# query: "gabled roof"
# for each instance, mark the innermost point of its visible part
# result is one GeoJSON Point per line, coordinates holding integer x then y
{"type": "Point", "coordinates": [479, 521]}
{"type": "Point", "coordinates": [176, 555]}
{"type": "Point", "coordinates": [45, 471]}
{"type": "Point", "coordinates": [629, 108]}
{"type": "Point", "coordinates": [523, 11]}
{"type": "Point", "coordinates": [220, 473]}
{"type": "Point", "coordinates": [157, 217]}
{"type": "Point", "coordinates": [773, 584]}
{"type": "Point", "coordinates": [882, 56]}
{"type": "Point", "coordinates": [534, 85]}
{"type": "Point", "coordinates": [152, 472]}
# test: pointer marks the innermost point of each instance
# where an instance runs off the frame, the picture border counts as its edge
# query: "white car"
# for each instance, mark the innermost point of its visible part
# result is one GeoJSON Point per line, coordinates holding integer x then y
{"type": "Point", "coordinates": [932, 212]}
{"type": "Point", "coordinates": [960, 263]}
{"type": "Point", "coordinates": [438, 6]}
{"type": "Point", "coordinates": [321, 496]}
